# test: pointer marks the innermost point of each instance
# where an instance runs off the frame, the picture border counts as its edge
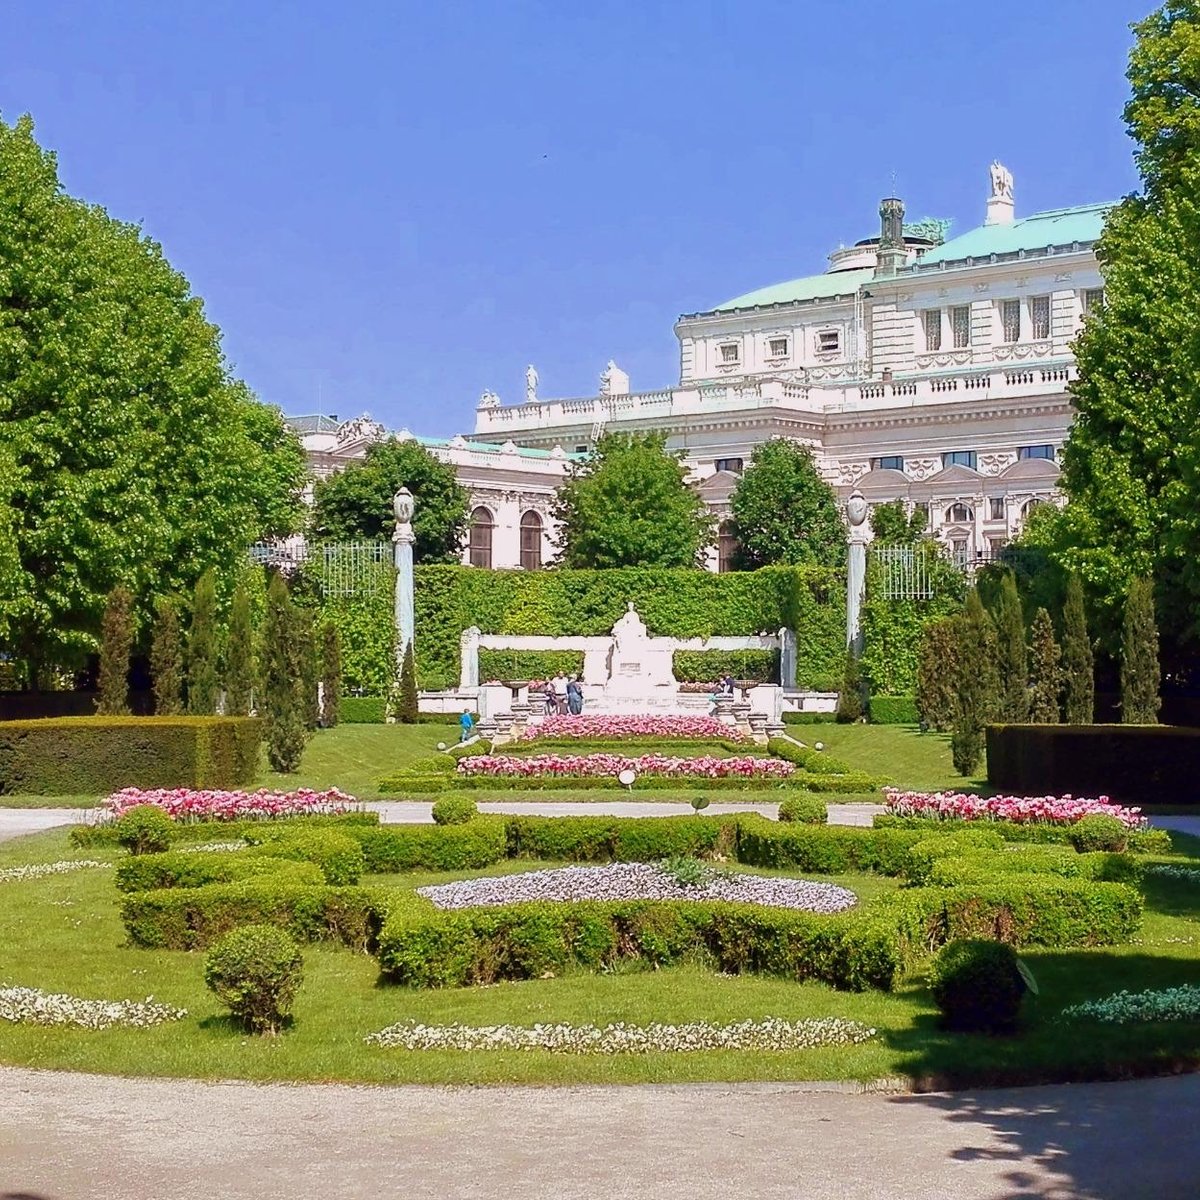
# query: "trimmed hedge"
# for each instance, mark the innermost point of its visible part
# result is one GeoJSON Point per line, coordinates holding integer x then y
{"type": "Point", "coordinates": [83, 836]}
{"type": "Point", "coordinates": [810, 718]}
{"type": "Point", "coordinates": [816, 762]}
{"type": "Point", "coordinates": [338, 855]}
{"type": "Point", "coordinates": [620, 839]}
{"type": "Point", "coordinates": [709, 666]}
{"type": "Point", "coordinates": [389, 850]}
{"type": "Point", "coordinates": [644, 744]}
{"type": "Point", "coordinates": [179, 869]}
{"type": "Point", "coordinates": [972, 868]}
{"type": "Point", "coordinates": [362, 710]}
{"type": "Point", "coordinates": [91, 756]}
{"type": "Point", "coordinates": [1141, 841]}
{"type": "Point", "coordinates": [403, 784]}
{"type": "Point", "coordinates": [527, 665]}
{"type": "Point", "coordinates": [893, 710]}
{"type": "Point", "coordinates": [1133, 764]}
{"type": "Point", "coordinates": [822, 849]}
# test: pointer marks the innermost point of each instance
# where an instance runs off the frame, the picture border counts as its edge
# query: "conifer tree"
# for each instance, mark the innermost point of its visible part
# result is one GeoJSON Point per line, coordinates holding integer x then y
{"type": "Point", "coordinates": [239, 657]}
{"type": "Point", "coordinates": [850, 695]}
{"type": "Point", "coordinates": [975, 699]}
{"type": "Point", "coordinates": [1013, 660]}
{"type": "Point", "coordinates": [116, 642]}
{"type": "Point", "coordinates": [937, 674]}
{"type": "Point", "coordinates": [166, 659]}
{"type": "Point", "coordinates": [202, 649]}
{"type": "Point", "coordinates": [283, 697]}
{"type": "Point", "coordinates": [1140, 675]}
{"type": "Point", "coordinates": [1078, 662]}
{"type": "Point", "coordinates": [310, 667]}
{"type": "Point", "coordinates": [407, 706]}
{"type": "Point", "coordinates": [331, 675]}
{"type": "Point", "coordinates": [1047, 672]}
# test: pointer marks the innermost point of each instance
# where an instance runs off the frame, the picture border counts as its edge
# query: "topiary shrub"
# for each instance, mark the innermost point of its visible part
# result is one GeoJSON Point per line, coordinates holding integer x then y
{"type": "Point", "coordinates": [804, 810]}
{"type": "Point", "coordinates": [255, 972]}
{"type": "Point", "coordinates": [455, 810]}
{"type": "Point", "coordinates": [145, 830]}
{"type": "Point", "coordinates": [433, 764]}
{"type": "Point", "coordinates": [978, 986]}
{"type": "Point", "coordinates": [339, 856]}
{"type": "Point", "coordinates": [1099, 832]}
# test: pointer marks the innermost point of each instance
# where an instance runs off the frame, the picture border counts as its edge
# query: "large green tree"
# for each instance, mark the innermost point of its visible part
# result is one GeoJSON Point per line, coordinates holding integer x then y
{"type": "Point", "coordinates": [629, 504]}
{"type": "Point", "coordinates": [136, 458]}
{"type": "Point", "coordinates": [784, 512]}
{"type": "Point", "coordinates": [893, 525]}
{"type": "Point", "coordinates": [357, 502]}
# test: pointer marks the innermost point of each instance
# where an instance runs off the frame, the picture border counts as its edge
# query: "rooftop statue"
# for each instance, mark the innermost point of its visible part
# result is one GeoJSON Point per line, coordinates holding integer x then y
{"type": "Point", "coordinates": [1002, 181]}
{"type": "Point", "coordinates": [531, 384]}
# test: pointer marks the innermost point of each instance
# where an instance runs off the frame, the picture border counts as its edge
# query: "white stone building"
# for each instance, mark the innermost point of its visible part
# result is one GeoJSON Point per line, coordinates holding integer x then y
{"type": "Point", "coordinates": [928, 370]}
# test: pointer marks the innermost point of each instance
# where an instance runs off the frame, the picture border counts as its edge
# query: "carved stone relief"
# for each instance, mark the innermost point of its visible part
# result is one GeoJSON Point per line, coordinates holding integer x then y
{"type": "Point", "coordinates": [993, 464]}
{"type": "Point", "coordinates": [921, 468]}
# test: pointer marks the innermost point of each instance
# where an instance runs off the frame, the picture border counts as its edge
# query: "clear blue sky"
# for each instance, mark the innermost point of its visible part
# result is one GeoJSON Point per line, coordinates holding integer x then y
{"type": "Point", "coordinates": [390, 206]}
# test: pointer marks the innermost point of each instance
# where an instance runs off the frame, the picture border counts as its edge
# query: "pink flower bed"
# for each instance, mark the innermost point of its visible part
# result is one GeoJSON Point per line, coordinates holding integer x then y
{"type": "Point", "coordinates": [188, 804]}
{"type": "Point", "coordinates": [599, 726]}
{"type": "Point", "coordinates": [1052, 810]}
{"type": "Point", "coordinates": [595, 765]}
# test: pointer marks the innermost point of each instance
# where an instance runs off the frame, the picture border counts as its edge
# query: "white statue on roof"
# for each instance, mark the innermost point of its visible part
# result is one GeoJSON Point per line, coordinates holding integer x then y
{"type": "Point", "coordinates": [531, 384]}
{"type": "Point", "coordinates": [488, 399]}
{"type": "Point", "coordinates": [360, 429]}
{"type": "Point", "coordinates": [1002, 181]}
{"type": "Point", "coordinates": [614, 381]}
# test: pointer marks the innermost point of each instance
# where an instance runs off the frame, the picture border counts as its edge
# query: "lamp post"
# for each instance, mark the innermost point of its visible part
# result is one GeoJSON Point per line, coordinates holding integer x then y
{"type": "Point", "coordinates": [402, 540]}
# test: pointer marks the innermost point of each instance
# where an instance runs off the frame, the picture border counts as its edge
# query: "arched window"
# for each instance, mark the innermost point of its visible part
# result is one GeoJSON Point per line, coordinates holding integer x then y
{"type": "Point", "coordinates": [531, 541]}
{"type": "Point", "coordinates": [483, 525]}
{"type": "Point", "coordinates": [1030, 505]}
{"type": "Point", "coordinates": [958, 514]}
{"type": "Point", "coordinates": [727, 547]}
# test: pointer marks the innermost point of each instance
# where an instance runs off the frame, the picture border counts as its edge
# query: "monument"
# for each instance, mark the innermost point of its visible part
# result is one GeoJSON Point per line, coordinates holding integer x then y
{"type": "Point", "coordinates": [402, 541]}
{"type": "Point", "coordinates": [639, 666]}
{"type": "Point", "coordinates": [856, 571]}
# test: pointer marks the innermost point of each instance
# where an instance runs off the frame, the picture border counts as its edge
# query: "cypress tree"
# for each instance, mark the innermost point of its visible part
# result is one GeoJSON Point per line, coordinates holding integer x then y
{"type": "Point", "coordinates": [310, 668]}
{"type": "Point", "coordinates": [239, 657]}
{"type": "Point", "coordinates": [166, 659]}
{"type": "Point", "coordinates": [1078, 665]}
{"type": "Point", "coordinates": [202, 649]}
{"type": "Point", "coordinates": [116, 642]}
{"type": "Point", "coordinates": [850, 695]}
{"type": "Point", "coordinates": [407, 707]}
{"type": "Point", "coordinates": [1013, 659]}
{"type": "Point", "coordinates": [1140, 675]}
{"type": "Point", "coordinates": [937, 674]}
{"type": "Point", "coordinates": [975, 698]}
{"type": "Point", "coordinates": [331, 675]}
{"type": "Point", "coordinates": [1047, 672]}
{"type": "Point", "coordinates": [283, 697]}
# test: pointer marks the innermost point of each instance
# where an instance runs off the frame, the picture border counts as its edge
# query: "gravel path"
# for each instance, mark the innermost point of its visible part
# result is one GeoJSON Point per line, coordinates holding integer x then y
{"type": "Point", "coordinates": [75, 1137]}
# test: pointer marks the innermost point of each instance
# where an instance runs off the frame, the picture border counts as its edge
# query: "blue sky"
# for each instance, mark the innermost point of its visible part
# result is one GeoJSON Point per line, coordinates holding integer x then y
{"type": "Point", "coordinates": [390, 206]}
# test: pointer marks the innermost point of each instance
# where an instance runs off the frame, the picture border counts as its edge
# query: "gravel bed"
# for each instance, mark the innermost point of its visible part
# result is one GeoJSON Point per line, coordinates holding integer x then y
{"type": "Point", "coordinates": [638, 881]}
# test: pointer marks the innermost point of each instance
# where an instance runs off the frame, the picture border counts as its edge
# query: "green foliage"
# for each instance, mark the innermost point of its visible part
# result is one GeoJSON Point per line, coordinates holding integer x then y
{"type": "Point", "coordinates": [284, 707]}
{"type": "Point", "coordinates": [310, 667]}
{"type": "Point", "coordinates": [1098, 831]}
{"type": "Point", "coordinates": [331, 675]}
{"type": "Point", "coordinates": [239, 656]}
{"type": "Point", "coordinates": [202, 649]}
{"type": "Point", "coordinates": [477, 843]}
{"type": "Point", "coordinates": [850, 694]}
{"type": "Point", "coordinates": [93, 756]}
{"type": "Point", "coordinates": [166, 660]}
{"type": "Point", "coordinates": [893, 710]}
{"type": "Point", "coordinates": [137, 455]}
{"type": "Point", "coordinates": [116, 642]}
{"type": "Point", "coordinates": [357, 503]}
{"type": "Point", "coordinates": [815, 761]}
{"type": "Point", "coordinates": [1046, 673]}
{"type": "Point", "coordinates": [892, 525]}
{"type": "Point", "coordinates": [362, 710]}
{"type": "Point", "coordinates": [924, 855]}
{"type": "Point", "coordinates": [809, 718]}
{"type": "Point", "coordinates": [256, 972]}
{"type": "Point", "coordinates": [784, 512]}
{"type": "Point", "coordinates": [182, 833]}
{"type": "Point", "coordinates": [1013, 658]}
{"type": "Point", "coordinates": [709, 666]}
{"type": "Point", "coordinates": [978, 986]}
{"type": "Point", "coordinates": [1140, 674]}
{"type": "Point", "coordinates": [976, 685]}
{"type": "Point", "coordinates": [144, 829]}
{"type": "Point", "coordinates": [455, 810]}
{"type": "Point", "coordinates": [1078, 665]}
{"type": "Point", "coordinates": [406, 709]}
{"type": "Point", "coordinates": [526, 665]}
{"type": "Point", "coordinates": [187, 869]}
{"type": "Point", "coordinates": [823, 849]}
{"type": "Point", "coordinates": [618, 839]}
{"type": "Point", "coordinates": [337, 854]}
{"type": "Point", "coordinates": [629, 504]}
{"type": "Point", "coordinates": [804, 810]}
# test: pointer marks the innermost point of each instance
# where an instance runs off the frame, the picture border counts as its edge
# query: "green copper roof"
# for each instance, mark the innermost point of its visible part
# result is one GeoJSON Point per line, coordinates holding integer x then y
{"type": "Point", "coordinates": [1055, 227]}
{"type": "Point", "coordinates": [811, 287]}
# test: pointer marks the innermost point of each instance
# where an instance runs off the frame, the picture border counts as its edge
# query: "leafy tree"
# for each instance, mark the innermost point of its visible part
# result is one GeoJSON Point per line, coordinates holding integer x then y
{"type": "Point", "coordinates": [893, 526]}
{"type": "Point", "coordinates": [239, 656]}
{"type": "Point", "coordinates": [1013, 662]}
{"type": "Point", "coordinates": [850, 694]}
{"type": "Point", "coordinates": [166, 659]}
{"type": "Point", "coordinates": [407, 703]}
{"type": "Point", "coordinates": [784, 512]}
{"type": "Point", "coordinates": [1046, 672]}
{"type": "Point", "coordinates": [1078, 662]}
{"type": "Point", "coordinates": [116, 642]}
{"type": "Point", "coordinates": [629, 504]}
{"type": "Point", "coordinates": [331, 675]}
{"type": "Point", "coordinates": [357, 502]}
{"type": "Point", "coordinates": [135, 456]}
{"type": "Point", "coordinates": [937, 674]}
{"type": "Point", "coordinates": [1140, 676]}
{"type": "Point", "coordinates": [975, 698]}
{"type": "Point", "coordinates": [283, 695]}
{"type": "Point", "coordinates": [202, 649]}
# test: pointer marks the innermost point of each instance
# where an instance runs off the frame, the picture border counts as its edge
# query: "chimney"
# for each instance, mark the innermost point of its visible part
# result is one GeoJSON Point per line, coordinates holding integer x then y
{"type": "Point", "coordinates": [1000, 207]}
{"type": "Point", "coordinates": [891, 255]}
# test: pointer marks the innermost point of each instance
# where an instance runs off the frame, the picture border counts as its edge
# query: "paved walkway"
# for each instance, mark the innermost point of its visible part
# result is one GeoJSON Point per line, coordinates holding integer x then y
{"type": "Point", "coordinates": [67, 1137]}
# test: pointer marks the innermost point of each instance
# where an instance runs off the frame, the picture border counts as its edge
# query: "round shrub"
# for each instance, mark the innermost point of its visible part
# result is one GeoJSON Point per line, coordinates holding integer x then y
{"type": "Point", "coordinates": [1099, 831]}
{"type": "Point", "coordinates": [255, 971]}
{"type": "Point", "coordinates": [804, 810]}
{"type": "Point", "coordinates": [145, 829]}
{"type": "Point", "coordinates": [455, 810]}
{"type": "Point", "coordinates": [978, 986]}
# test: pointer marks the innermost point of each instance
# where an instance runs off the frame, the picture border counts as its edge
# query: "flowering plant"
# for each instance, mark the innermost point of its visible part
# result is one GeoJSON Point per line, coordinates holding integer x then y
{"type": "Point", "coordinates": [1052, 810]}
{"type": "Point", "coordinates": [600, 765]}
{"type": "Point", "coordinates": [188, 804]}
{"type": "Point", "coordinates": [32, 1006]}
{"type": "Point", "coordinates": [1124, 1008]}
{"type": "Point", "coordinates": [40, 870]}
{"type": "Point", "coordinates": [598, 725]}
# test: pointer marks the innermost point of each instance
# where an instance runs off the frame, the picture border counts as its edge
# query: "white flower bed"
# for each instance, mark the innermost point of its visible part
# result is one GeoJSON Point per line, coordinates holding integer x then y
{"type": "Point", "coordinates": [32, 1006]}
{"type": "Point", "coordinates": [1125, 1008]}
{"type": "Point", "coordinates": [769, 1034]}
{"type": "Point", "coordinates": [39, 870]}
{"type": "Point", "coordinates": [1184, 874]}
{"type": "Point", "coordinates": [215, 847]}
{"type": "Point", "coordinates": [637, 881]}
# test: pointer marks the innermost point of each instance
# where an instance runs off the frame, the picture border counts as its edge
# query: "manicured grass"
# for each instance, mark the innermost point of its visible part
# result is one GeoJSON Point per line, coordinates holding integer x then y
{"type": "Point", "coordinates": [22, 801]}
{"type": "Point", "coordinates": [902, 754]}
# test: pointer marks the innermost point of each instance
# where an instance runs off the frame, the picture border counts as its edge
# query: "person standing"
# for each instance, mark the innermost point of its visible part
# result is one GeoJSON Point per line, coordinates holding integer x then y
{"type": "Point", "coordinates": [560, 693]}
{"type": "Point", "coordinates": [574, 696]}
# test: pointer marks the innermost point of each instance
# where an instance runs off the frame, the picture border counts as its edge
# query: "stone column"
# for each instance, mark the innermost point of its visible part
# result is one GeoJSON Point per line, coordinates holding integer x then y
{"type": "Point", "coordinates": [402, 540]}
{"type": "Point", "coordinates": [856, 569]}
{"type": "Point", "coordinates": [468, 651]}
{"type": "Point", "coordinates": [787, 658]}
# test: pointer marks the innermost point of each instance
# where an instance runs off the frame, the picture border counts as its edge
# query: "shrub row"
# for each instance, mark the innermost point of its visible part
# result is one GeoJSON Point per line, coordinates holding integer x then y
{"type": "Point", "coordinates": [816, 762]}
{"type": "Point", "coordinates": [682, 747]}
{"type": "Point", "coordinates": [526, 665]}
{"type": "Point", "coordinates": [822, 849]}
{"type": "Point", "coordinates": [1141, 841]}
{"type": "Point", "coordinates": [893, 710]}
{"type": "Point", "coordinates": [84, 836]}
{"type": "Point", "coordinates": [810, 718]}
{"type": "Point", "coordinates": [709, 666]}
{"type": "Point", "coordinates": [362, 710]}
{"type": "Point", "coordinates": [404, 784]}
{"type": "Point", "coordinates": [620, 839]}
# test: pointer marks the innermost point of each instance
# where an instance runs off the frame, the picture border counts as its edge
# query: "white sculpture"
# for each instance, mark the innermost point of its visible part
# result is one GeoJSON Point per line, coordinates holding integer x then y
{"type": "Point", "coordinates": [360, 429]}
{"type": "Point", "coordinates": [629, 632]}
{"type": "Point", "coordinates": [531, 384]}
{"type": "Point", "coordinates": [488, 399]}
{"type": "Point", "coordinates": [1002, 181]}
{"type": "Point", "coordinates": [614, 381]}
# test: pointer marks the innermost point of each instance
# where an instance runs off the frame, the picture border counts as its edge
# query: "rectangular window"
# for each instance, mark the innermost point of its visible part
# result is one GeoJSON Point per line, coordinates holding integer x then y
{"type": "Point", "coordinates": [1093, 299]}
{"type": "Point", "coordinates": [960, 319]}
{"type": "Point", "coordinates": [933, 328]}
{"type": "Point", "coordinates": [778, 347]}
{"type": "Point", "coordinates": [1039, 317]}
{"type": "Point", "coordinates": [581, 449]}
{"type": "Point", "coordinates": [828, 341]}
{"type": "Point", "coordinates": [996, 546]}
{"type": "Point", "coordinates": [959, 458]}
{"type": "Point", "coordinates": [729, 464]}
{"type": "Point", "coordinates": [730, 352]}
{"type": "Point", "coordinates": [889, 462]}
{"type": "Point", "coordinates": [1036, 452]}
{"type": "Point", "coordinates": [1010, 320]}
{"type": "Point", "coordinates": [997, 509]}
